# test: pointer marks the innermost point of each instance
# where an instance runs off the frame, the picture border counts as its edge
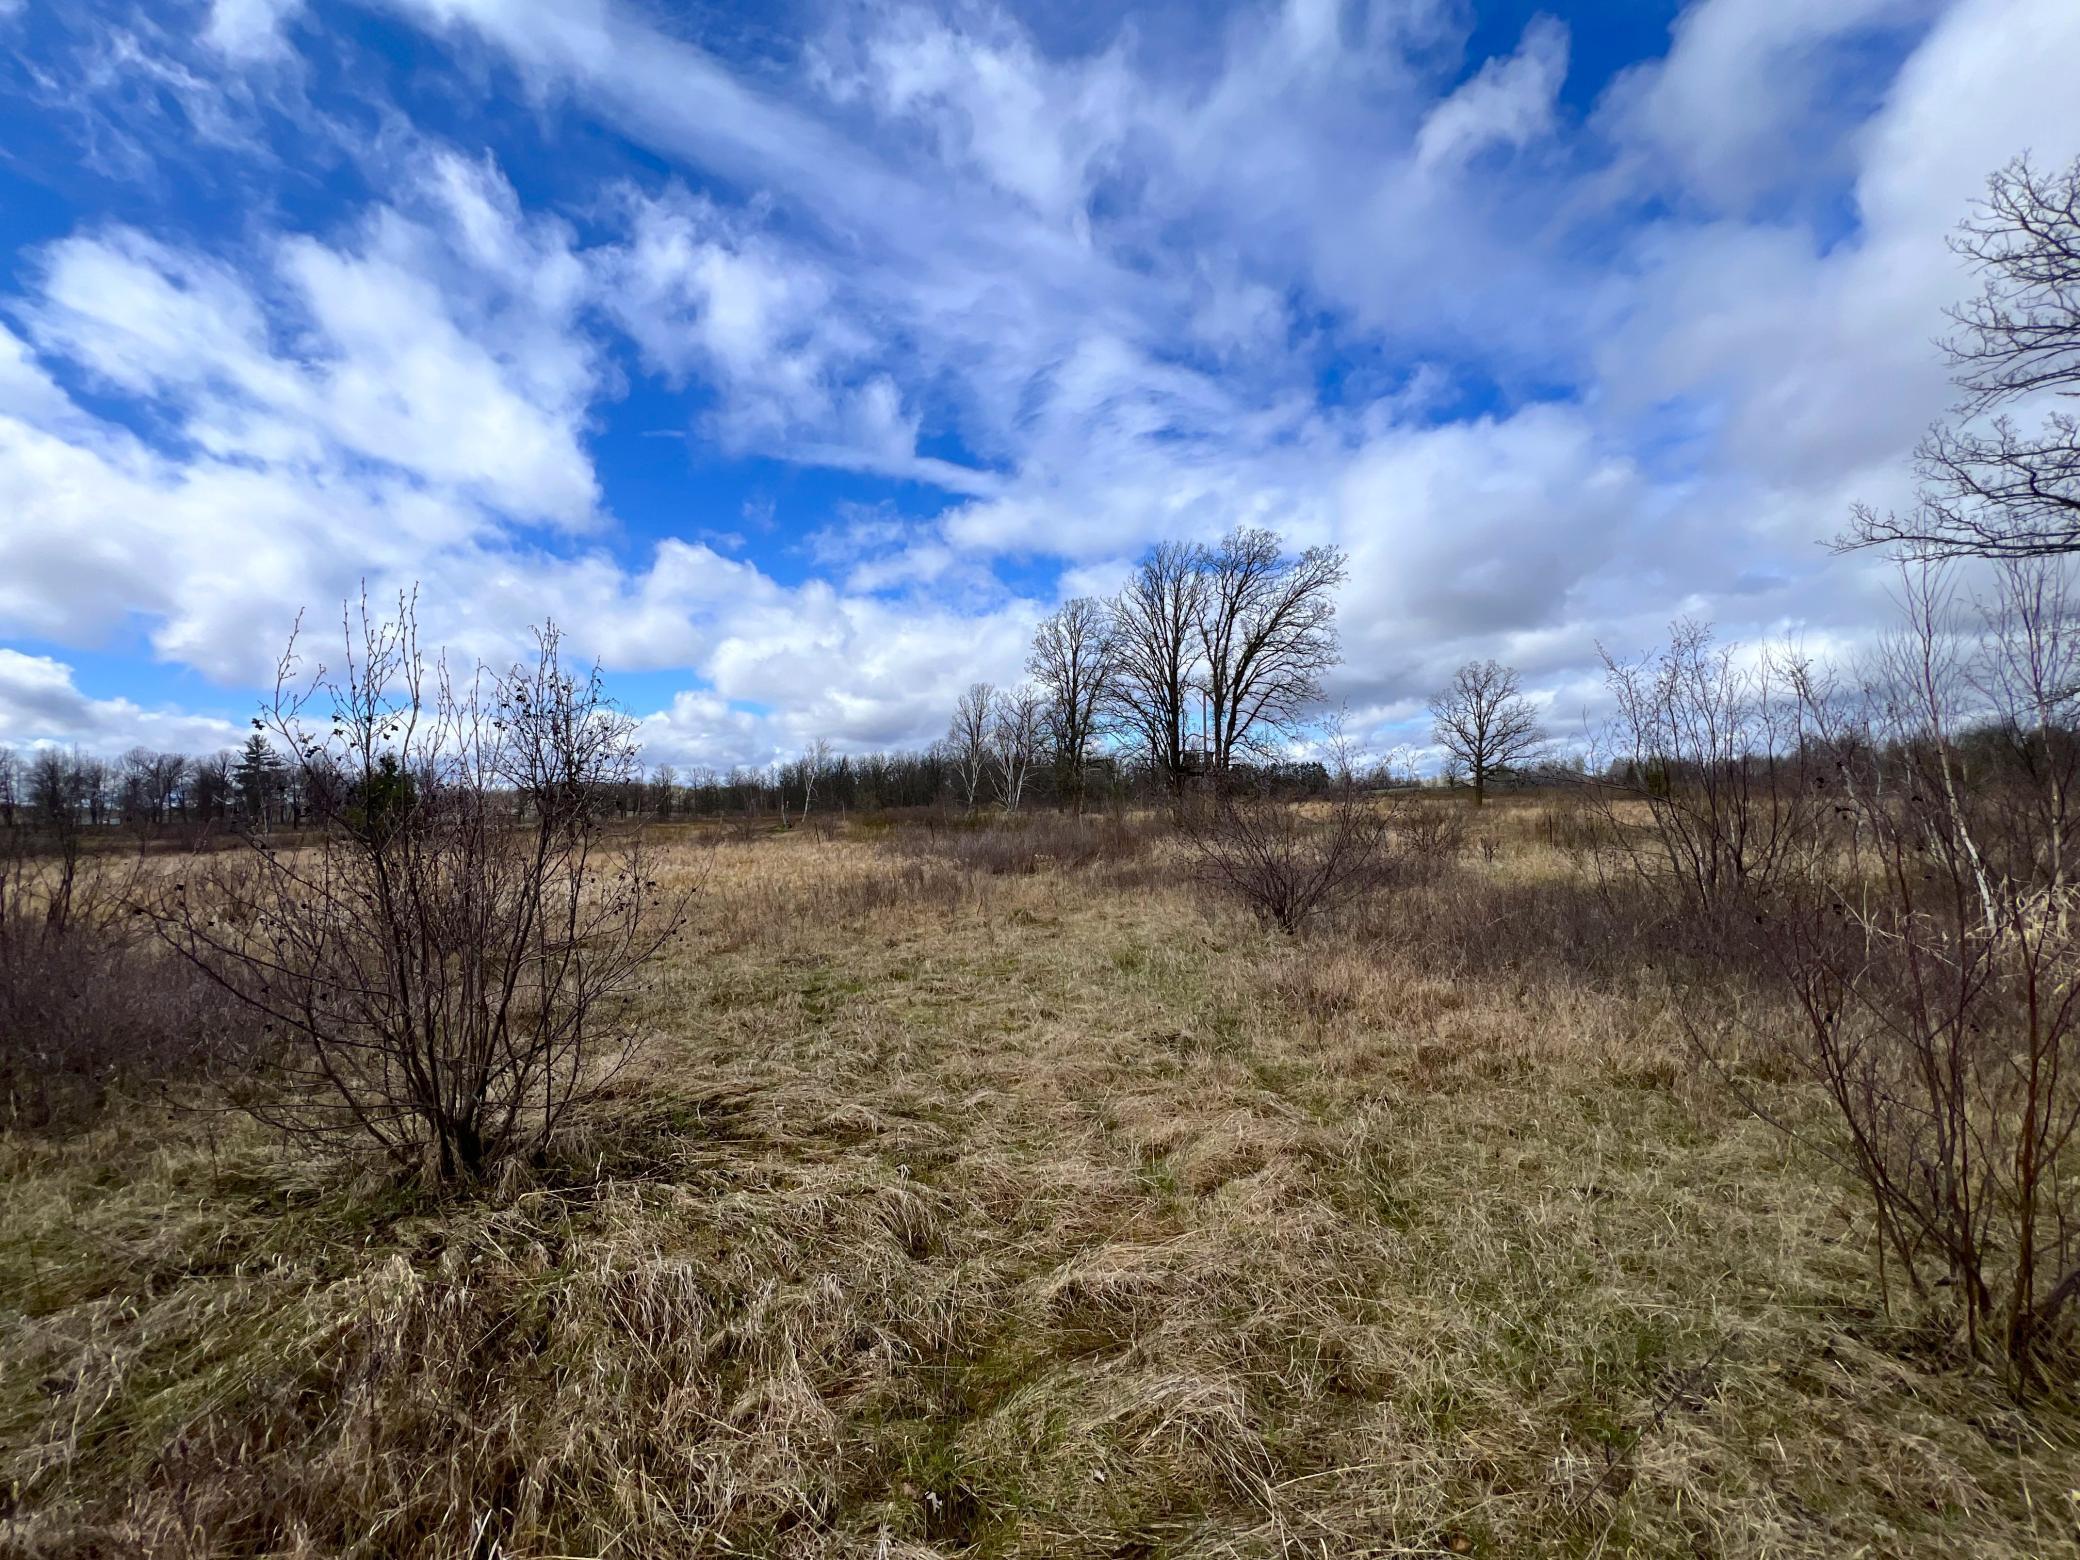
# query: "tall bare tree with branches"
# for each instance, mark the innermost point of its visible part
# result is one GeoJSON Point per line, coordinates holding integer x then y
{"type": "Point", "coordinates": [1990, 487]}
{"type": "Point", "coordinates": [968, 740]}
{"type": "Point", "coordinates": [1073, 664]}
{"type": "Point", "coordinates": [1154, 632]}
{"type": "Point", "coordinates": [800, 778]}
{"type": "Point", "coordinates": [1484, 721]}
{"type": "Point", "coordinates": [1015, 737]}
{"type": "Point", "coordinates": [1266, 625]}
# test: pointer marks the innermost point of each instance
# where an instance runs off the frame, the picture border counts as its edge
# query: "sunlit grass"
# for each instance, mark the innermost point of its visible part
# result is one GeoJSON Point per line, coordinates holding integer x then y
{"type": "Point", "coordinates": [1032, 1212]}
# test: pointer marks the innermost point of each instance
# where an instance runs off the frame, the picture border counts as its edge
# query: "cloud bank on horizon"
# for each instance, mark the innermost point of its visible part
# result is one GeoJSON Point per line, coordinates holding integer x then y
{"type": "Point", "coordinates": [797, 360]}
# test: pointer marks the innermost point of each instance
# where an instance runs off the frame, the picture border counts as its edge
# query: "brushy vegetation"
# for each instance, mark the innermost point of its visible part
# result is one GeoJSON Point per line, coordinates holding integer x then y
{"type": "Point", "coordinates": [88, 1005]}
{"type": "Point", "coordinates": [440, 969]}
{"type": "Point", "coordinates": [979, 1193]}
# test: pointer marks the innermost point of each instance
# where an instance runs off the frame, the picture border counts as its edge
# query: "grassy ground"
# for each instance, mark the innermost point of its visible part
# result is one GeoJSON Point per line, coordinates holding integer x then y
{"type": "Point", "coordinates": [1038, 1214]}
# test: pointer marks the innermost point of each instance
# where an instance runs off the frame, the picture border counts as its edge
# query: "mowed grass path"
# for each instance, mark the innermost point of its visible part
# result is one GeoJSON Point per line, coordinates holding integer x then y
{"type": "Point", "coordinates": [1049, 1214]}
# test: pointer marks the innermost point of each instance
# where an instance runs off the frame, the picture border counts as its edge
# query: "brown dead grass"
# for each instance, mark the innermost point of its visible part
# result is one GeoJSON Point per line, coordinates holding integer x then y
{"type": "Point", "coordinates": [1035, 1212]}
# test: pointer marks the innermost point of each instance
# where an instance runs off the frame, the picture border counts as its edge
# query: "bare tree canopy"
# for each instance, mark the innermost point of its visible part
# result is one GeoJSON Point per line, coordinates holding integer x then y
{"type": "Point", "coordinates": [1243, 630]}
{"type": "Point", "coordinates": [1155, 623]}
{"type": "Point", "coordinates": [968, 740]}
{"type": "Point", "coordinates": [1072, 665]}
{"type": "Point", "coordinates": [1267, 633]}
{"type": "Point", "coordinates": [1990, 487]}
{"type": "Point", "coordinates": [1484, 722]}
{"type": "Point", "coordinates": [799, 779]}
{"type": "Point", "coordinates": [1014, 742]}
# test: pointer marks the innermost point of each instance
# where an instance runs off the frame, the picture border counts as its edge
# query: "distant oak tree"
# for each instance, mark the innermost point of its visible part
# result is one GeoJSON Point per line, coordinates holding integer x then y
{"type": "Point", "coordinates": [1484, 723]}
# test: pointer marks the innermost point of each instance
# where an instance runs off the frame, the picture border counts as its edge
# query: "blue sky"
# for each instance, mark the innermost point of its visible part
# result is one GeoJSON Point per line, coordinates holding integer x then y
{"type": "Point", "coordinates": [797, 357]}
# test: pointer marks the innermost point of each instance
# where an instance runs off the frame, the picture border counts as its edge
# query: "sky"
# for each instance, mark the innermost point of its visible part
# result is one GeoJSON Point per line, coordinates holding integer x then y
{"type": "Point", "coordinates": [796, 358]}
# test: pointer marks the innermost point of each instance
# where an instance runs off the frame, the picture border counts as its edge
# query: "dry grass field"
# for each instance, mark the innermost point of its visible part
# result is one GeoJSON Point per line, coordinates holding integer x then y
{"type": "Point", "coordinates": [1040, 1211]}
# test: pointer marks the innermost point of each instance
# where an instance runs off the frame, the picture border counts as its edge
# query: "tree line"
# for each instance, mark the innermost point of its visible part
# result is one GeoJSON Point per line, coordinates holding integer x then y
{"type": "Point", "coordinates": [63, 789]}
{"type": "Point", "coordinates": [1205, 663]}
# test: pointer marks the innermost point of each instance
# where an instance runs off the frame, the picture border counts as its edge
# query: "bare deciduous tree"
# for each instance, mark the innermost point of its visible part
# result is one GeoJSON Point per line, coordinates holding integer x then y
{"type": "Point", "coordinates": [444, 969]}
{"type": "Point", "coordinates": [1266, 627]}
{"type": "Point", "coordinates": [213, 787]}
{"type": "Point", "coordinates": [1073, 664]}
{"type": "Point", "coordinates": [801, 778]}
{"type": "Point", "coordinates": [1154, 635]}
{"type": "Point", "coordinates": [1015, 742]}
{"type": "Point", "coordinates": [1993, 489]}
{"type": "Point", "coordinates": [1484, 721]}
{"type": "Point", "coordinates": [968, 740]}
{"type": "Point", "coordinates": [153, 780]}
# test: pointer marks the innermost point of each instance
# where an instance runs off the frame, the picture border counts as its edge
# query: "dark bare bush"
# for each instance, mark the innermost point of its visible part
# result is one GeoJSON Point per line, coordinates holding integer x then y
{"type": "Point", "coordinates": [1572, 824]}
{"type": "Point", "coordinates": [1025, 844]}
{"type": "Point", "coordinates": [1427, 834]}
{"type": "Point", "coordinates": [1290, 863]}
{"type": "Point", "coordinates": [1708, 798]}
{"type": "Point", "coordinates": [1450, 919]}
{"type": "Point", "coordinates": [445, 969]}
{"type": "Point", "coordinates": [89, 1005]}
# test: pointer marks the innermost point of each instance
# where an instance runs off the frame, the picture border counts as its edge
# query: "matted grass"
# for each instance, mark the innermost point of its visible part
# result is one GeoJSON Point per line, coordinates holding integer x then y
{"type": "Point", "coordinates": [1045, 1211]}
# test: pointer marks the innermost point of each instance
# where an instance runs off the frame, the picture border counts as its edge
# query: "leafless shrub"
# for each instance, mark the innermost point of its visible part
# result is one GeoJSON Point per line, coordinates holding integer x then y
{"type": "Point", "coordinates": [770, 908]}
{"type": "Point", "coordinates": [1022, 845]}
{"type": "Point", "coordinates": [443, 968]}
{"type": "Point", "coordinates": [1458, 924]}
{"type": "Point", "coordinates": [1708, 795]}
{"type": "Point", "coordinates": [1937, 970]}
{"type": "Point", "coordinates": [83, 1015]}
{"type": "Point", "coordinates": [87, 1002]}
{"type": "Point", "coordinates": [1573, 825]}
{"type": "Point", "coordinates": [1427, 834]}
{"type": "Point", "coordinates": [1290, 863]}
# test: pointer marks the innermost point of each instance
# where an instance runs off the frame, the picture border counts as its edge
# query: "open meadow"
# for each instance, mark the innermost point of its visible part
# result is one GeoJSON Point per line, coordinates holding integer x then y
{"type": "Point", "coordinates": [996, 1190]}
{"type": "Point", "coordinates": [994, 780]}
